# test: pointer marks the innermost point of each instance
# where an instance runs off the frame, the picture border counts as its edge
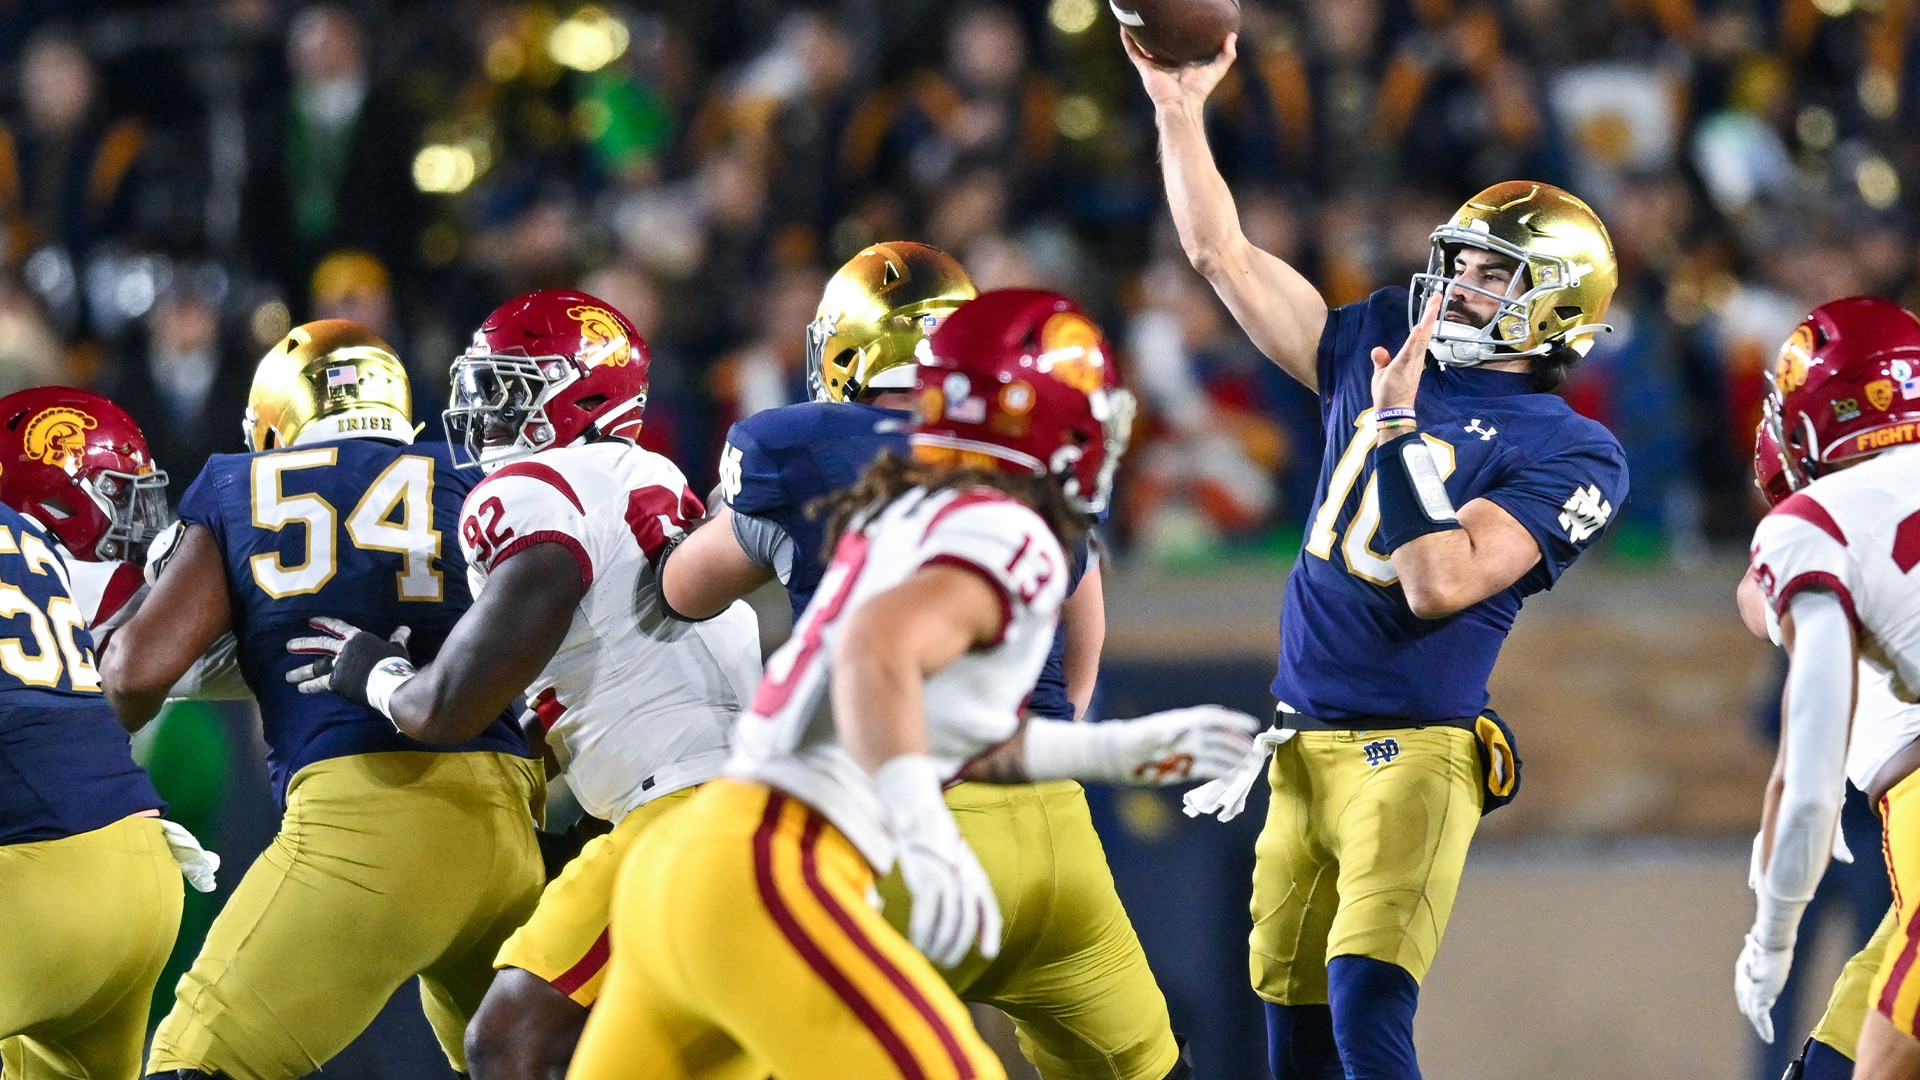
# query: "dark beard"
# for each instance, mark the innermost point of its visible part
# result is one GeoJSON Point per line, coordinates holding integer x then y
{"type": "Point", "coordinates": [1456, 308]}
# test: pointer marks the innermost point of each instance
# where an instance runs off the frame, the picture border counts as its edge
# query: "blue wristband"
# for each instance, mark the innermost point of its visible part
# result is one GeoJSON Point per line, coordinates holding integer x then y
{"type": "Point", "coordinates": [1413, 499]}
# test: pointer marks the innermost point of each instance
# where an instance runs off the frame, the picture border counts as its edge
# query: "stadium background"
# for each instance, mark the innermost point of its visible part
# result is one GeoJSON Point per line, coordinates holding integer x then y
{"type": "Point", "coordinates": [179, 182]}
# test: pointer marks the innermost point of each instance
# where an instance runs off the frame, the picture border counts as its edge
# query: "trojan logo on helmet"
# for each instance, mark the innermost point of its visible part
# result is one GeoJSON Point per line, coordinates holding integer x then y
{"type": "Point", "coordinates": [78, 464]}
{"type": "Point", "coordinates": [58, 437]}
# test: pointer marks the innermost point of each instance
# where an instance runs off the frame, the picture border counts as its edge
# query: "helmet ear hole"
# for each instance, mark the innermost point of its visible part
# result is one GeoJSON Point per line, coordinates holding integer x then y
{"type": "Point", "coordinates": [591, 402]}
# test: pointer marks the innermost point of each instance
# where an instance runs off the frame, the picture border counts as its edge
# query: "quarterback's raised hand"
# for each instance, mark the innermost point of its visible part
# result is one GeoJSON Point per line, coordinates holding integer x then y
{"type": "Point", "coordinates": [953, 902]}
{"type": "Point", "coordinates": [1185, 84]}
{"type": "Point", "coordinates": [1200, 742]}
{"type": "Point", "coordinates": [1396, 378]}
{"type": "Point", "coordinates": [362, 667]}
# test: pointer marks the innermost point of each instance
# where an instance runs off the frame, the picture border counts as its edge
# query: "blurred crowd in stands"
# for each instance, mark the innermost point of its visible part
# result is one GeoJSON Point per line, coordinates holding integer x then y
{"type": "Point", "coordinates": [181, 180]}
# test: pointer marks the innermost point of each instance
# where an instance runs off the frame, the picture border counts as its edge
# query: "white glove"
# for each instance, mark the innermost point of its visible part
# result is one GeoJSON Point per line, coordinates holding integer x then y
{"type": "Point", "coordinates": [1196, 743]}
{"type": "Point", "coordinates": [1227, 796]}
{"type": "Point", "coordinates": [953, 902]}
{"type": "Point", "coordinates": [161, 549]}
{"type": "Point", "coordinates": [1757, 978]}
{"type": "Point", "coordinates": [197, 864]}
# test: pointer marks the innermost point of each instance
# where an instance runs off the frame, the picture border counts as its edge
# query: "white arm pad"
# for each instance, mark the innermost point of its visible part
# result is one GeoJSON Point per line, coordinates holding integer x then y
{"type": "Point", "coordinates": [1819, 707]}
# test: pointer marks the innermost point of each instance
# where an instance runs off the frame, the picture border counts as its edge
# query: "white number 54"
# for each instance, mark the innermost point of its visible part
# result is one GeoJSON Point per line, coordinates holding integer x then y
{"type": "Point", "coordinates": [406, 487]}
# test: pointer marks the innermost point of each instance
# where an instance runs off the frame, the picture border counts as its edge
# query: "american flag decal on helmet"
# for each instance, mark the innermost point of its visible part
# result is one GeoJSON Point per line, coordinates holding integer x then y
{"type": "Point", "coordinates": [344, 375]}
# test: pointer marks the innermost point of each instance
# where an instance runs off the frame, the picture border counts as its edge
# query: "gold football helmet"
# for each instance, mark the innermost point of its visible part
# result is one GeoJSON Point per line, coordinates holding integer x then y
{"type": "Point", "coordinates": [875, 313]}
{"type": "Point", "coordinates": [329, 379]}
{"type": "Point", "coordinates": [1559, 300]}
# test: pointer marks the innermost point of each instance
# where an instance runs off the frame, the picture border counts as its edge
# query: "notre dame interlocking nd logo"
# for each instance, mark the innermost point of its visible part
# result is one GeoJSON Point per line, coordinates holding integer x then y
{"type": "Point", "coordinates": [1381, 751]}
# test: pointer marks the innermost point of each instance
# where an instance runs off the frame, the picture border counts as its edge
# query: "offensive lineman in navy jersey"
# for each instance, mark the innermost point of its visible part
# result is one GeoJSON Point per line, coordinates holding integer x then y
{"type": "Point", "coordinates": [395, 858]}
{"type": "Point", "coordinates": [1451, 488]}
{"type": "Point", "coordinates": [1077, 984]}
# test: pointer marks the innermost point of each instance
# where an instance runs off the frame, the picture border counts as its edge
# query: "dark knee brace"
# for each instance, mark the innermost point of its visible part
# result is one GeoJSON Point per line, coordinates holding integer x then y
{"type": "Point", "coordinates": [1818, 1061]}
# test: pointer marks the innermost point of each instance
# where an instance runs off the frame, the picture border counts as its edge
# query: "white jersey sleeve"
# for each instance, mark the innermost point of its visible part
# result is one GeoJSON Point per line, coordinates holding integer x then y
{"type": "Point", "coordinates": [524, 504]}
{"type": "Point", "coordinates": [1800, 546]}
{"type": "Point", "coordinates": [1009, 546]}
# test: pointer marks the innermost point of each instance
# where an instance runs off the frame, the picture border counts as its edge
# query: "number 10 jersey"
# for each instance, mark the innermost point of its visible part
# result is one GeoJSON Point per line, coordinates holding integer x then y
{"type": "Point", "coordinates": [359, 529]}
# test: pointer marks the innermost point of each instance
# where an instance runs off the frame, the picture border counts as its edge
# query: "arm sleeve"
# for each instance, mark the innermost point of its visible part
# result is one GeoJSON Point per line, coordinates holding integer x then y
{"type": "Point", "coordinates": [765, 544]}
{"type": "Point", "coordinates": [516, 508]}
{"type": "Point", "coordinates": [1819, 703]}
{"type": "Point", "coordinates": [1566, 500]}
{"type": "Point", "coordinates": [1009, 547]}
{"type": "Point", "coordinates": [1799, 546]}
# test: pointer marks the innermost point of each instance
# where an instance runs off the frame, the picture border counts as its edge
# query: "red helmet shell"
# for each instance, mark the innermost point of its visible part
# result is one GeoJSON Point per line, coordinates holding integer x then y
{"type": "Point", "coordinates": [584, 366]}
{"type": "Point", "coordinates": [1846, 385]}
{"type": "Point", "coordinates": [75, 462]}
{"type": "Point", "coordinates": [1025, 377]}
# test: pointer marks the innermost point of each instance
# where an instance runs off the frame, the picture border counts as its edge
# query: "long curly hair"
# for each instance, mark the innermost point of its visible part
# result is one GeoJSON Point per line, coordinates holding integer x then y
{"type": "Point", "coordinates": [890, 476]}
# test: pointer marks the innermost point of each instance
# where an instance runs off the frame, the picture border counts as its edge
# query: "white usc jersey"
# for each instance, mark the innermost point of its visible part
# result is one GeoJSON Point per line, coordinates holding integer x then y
{"type": "Point", "coordinates": [787, 738]}
{"type": "Point", "coordinates": [635, 704]}
{"type": "Point", "coordinates": [101, 589]}
{"type": "Point", "coordinates": [1856, 533]}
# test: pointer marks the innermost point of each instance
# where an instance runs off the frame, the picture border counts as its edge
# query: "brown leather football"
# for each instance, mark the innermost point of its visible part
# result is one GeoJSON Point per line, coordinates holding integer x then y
{"type": "Point", "coordinates": [1178, 31]}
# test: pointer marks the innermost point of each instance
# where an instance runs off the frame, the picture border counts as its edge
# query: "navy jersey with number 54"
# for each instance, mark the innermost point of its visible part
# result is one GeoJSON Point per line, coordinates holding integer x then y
{"type": "Point", "coordinates": [1350, 648]}
{"type": "Point", "coordinates": [778, 461]}
{"type": "Point", "coordinates": [359, 529]}
{"type": "Point", "coordinates": [65, 766]}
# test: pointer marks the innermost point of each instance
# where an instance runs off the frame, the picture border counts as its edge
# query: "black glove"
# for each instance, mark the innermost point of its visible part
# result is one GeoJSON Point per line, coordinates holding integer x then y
{"type": "Point", "coordinates": [348, 657]}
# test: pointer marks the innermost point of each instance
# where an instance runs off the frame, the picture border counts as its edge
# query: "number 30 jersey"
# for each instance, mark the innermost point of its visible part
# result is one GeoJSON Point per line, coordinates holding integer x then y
{"type": "Point", "coordinates": [1856, 533]}
{"type": "Point", "coordinates": [635, 704]}
{"type": "Point", "coordinates": [359, 529]}
{"type": "Point", "coordinates": [787, 738]}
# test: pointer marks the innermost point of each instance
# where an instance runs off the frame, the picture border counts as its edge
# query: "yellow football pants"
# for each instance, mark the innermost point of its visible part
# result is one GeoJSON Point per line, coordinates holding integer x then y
{"type": "Point", "coordinates": [1070, 972]}
{"type": "Point", "coordinates": [744, 945]}
{"type": "Point", "coordinates": [1361, 854]}
{"type": "Point", "coordinates": [1839, 1026]}
{"type": "Point", "coordinates": [86, 923]}
{"type": "Point", "coordinates": [1895, 989]}
{"type": "Point", "coordinates": [565, 942]}
{"type": "Point", "coordinates": [387, 866]}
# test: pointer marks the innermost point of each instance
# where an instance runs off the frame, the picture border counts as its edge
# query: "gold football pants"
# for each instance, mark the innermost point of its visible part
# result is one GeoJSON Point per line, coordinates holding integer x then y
{"type": "Point", "coordinates": [1361, 854]}
{"type": "Point", "coordinates": [387, 866]}
{"type": "Point", "coordinates": [1895, 989]}
{"type": "Point", "coordinates": [1839, 1026]}
{"type": "Point", "coordinates": [1071, 973]}
{"type": "Point", "coordinates": [744, 945]}
{"type": "Point", "coordinates": [565, 942]}
{"type": "Point", "coordinates": [86, 923]}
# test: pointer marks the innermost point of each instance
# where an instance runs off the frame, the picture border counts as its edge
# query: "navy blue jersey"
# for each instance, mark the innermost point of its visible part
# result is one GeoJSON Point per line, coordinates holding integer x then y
{"type": "Point", "coordinates": [1350, 647]}
{"type": "Point", "coordinates": [778, 461]}
{"type": "Point", "coordinates": [65, 765]}
{"type": "Point", "coordinates": [361, 530]}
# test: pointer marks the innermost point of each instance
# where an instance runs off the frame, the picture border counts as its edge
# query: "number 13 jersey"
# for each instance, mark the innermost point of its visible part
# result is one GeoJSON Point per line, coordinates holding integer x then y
{"type": "Point", "coordinates": [358, 529]}
{"type": "Point", "coordinates": [787, 738]}
{"type": "Point", "coordinates": [1856, 533]}
{"type": "Point", "coordinates": [635, 704]}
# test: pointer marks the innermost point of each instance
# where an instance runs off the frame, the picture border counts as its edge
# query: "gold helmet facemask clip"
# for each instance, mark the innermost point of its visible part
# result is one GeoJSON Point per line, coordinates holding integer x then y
{"type": "Point", "coordinates": [1563, 279]}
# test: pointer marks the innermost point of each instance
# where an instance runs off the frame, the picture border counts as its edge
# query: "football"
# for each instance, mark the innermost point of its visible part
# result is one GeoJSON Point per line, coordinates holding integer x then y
{"type": "Point", "coordinates": [1178, 31]}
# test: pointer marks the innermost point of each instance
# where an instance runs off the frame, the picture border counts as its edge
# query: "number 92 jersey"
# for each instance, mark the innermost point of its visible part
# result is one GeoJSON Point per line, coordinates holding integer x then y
{"type": "Point", "coordinates": [787, 738]}
{"type": "Point", "coordinates": [1856, 533]}
{"type": "Point", "coordinates": [635, 704]}
{"type": "Point", "coordinates": [1350, 647]}
{"type": "Point", "coordinates": [359, 529]}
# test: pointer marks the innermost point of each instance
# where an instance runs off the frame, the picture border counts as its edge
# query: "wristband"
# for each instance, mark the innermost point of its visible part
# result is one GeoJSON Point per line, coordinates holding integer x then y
{"type": "Point", "coordinates": [386, 677]}
{"type": "Point", "coordinates": [1384, 415]}
{"type": "Point", "coordinates": [1413, 499]}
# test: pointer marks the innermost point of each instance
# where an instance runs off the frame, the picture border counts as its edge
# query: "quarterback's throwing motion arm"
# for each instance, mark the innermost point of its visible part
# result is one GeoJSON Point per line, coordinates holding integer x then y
{"type": "Point", "coordinates": [185, 614]}
{"type": "Point", "coordinates": [1278, 307]}
{"type": "Point", "coordinates": [496, 649]}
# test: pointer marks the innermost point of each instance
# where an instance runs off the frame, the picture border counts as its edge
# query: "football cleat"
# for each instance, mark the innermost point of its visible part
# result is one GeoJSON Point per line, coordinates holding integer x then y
{"type": "Point", "coordinates": [876, 311]}
{"type": "Point", "coordinates": [76, 463]}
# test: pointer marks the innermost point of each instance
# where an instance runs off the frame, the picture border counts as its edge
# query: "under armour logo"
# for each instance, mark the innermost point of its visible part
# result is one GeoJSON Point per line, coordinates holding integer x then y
{"type": "Point", "coordinates": [1485, 433]}
{"type": "Point", "coordinates": [1381, 751]}
{"type": "Point", "coordinates": [1584, 513]}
